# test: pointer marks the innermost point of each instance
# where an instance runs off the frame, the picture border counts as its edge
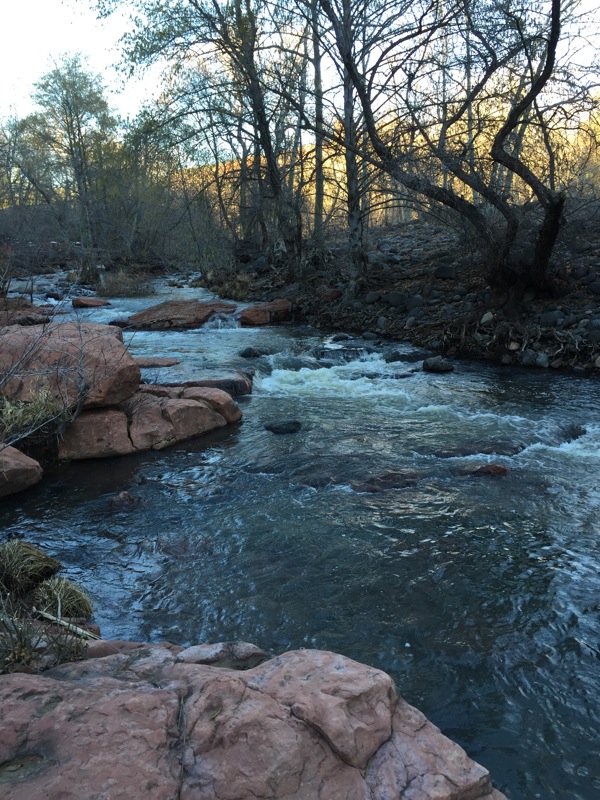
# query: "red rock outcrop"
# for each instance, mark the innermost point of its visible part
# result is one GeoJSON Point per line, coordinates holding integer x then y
{"type": "Point", "coordinates": [218, 399]}
{"type": "Point", "coordinates": [19, 311]}
{"type": "Point", "coordinates": [148, 362]}
{"type": "Point", "coordinates": [67, 360]}
{"type": "Point", "coordinates": [98, 433]}
{"type": "Point", "coordinates": [89, 302]}
{"type": "Point", "coordinates": [235, 384]}
{"type": "Point", "coordinates": [146, 421]}
{"type": "Point", "coordinates": [156, 723]}
{"type": "Point", "coordinates": [266, 313]}
{"type": "Point", "coordinates": [17, 471]}
{"type": "Point", "coordinates": [181, 314]}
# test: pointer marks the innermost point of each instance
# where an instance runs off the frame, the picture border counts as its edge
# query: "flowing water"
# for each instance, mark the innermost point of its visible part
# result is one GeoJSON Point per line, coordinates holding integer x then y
{"type": "Point", "coordinates": [367, 533]}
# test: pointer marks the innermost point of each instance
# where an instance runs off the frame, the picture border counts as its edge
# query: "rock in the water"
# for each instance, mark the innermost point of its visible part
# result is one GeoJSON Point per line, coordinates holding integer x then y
{"type": "Point", "coordinates": [391, 480]}
{"type": "Point", "coordinates": [266, 313]}
{"type": "Point", "coordinates": [284, 426]}
{"type": "Point", "coordinates": [124, 501]}
{"type": "Point", "coordinates": [150, 723]}
{"type": "Point", "coordinates": [17, 471]}
{"type": "Point", "coordinates": [150, 362]}
{"type": "Point", "coordinates": [97, 433]}
{"type": "Point", "coordinates": [437, 364]}
{"type": "Point", "coordinates": [68, 360]}
{"type": "Point", "coordinates": [178, 314]}
{"type": "Point", "coordinates": [495, 470]}
{"type": "Point", "coordinates": [89, 302]}
{"type": "Point", "coordinates": [217, 399]}
{"type": "Point", "coordinates": [251, 352]}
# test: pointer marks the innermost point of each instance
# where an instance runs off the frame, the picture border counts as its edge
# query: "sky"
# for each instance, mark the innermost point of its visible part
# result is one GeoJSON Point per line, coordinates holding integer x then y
{"type": "Point", "coordinates": [37, 31]}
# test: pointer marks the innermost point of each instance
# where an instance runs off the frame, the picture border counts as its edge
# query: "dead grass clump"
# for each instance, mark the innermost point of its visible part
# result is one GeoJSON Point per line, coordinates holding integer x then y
{"type": "Point", "coordinates": [23, 567]}
{"type": "Point", "coordinates": [35, 609]}
{"type": "Point", "coordinates": [61, 597]}
{"type": "Point", "coordinates": [19, 418]}
{"type": "Point", "coordinates": [125, 284]}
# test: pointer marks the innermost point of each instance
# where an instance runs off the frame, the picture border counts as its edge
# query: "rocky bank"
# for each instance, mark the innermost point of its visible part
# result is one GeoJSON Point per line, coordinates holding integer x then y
{"type": "Point", "coordinates": [222, 722]}
{"type": "Point", "coordinates": [424, 283]}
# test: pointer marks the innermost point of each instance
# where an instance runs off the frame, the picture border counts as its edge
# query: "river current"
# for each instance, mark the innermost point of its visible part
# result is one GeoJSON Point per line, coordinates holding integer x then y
{"type": "Point", "coordinates": [479, 594]}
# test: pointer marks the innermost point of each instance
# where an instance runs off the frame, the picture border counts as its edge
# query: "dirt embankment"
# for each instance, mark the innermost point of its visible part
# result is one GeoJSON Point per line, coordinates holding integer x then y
{"type": "Point", "coordinates": [424, 284]}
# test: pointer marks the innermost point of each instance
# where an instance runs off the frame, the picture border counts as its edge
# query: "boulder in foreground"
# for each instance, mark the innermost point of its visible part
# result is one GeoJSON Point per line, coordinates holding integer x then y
{"type": "Point", "coordinates": [156, 723]}
{"type": "Point", "coordinates": [17, 471]}
{"type": "Point", "coordinates": [149, 420]}
{"type": "Point", "coordinates": [69, 360]}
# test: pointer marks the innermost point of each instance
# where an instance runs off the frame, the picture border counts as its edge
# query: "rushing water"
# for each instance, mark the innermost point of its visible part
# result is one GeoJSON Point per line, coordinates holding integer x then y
{"type": "Point", "coordinates": [479, 594]}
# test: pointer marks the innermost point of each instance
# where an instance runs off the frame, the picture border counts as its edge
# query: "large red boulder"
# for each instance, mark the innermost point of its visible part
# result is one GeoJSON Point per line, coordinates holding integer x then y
{"type": "Point", "coordinates": [17, 471]}
{"type": "Point", "coordinates": [181, 314]}
{"type": "Point", "coordinates": [19, 311]}
{"type": "Point", "coordinates": [70, 361]}
{"type": "Point", "coordinates": [97, 433]}
{"type": "Point", "coordinates": [266, 313]}
{"type": "Point", "coordinates": [155, 723]}
{"type": "Point", "coordinates": [146, 422]}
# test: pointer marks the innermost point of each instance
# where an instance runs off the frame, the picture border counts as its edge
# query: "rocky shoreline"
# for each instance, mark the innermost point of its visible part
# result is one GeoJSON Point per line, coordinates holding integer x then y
{"type": "Point", "coordinates": [211, 722]}
{"type": "Point", "coordinates": [424, 285]}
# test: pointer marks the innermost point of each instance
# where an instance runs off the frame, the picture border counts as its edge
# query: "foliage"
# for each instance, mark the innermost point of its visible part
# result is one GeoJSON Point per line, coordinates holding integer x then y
{"type": "Point", "coordinates": [22, 419]}
{"type": "Point", "coordinates": [61, 597]}
{"type": "Point", "coordinates": [123, 283]}
{"type": "Point", "coordinates": [23, 567]}
{"type": "Point", "coordinates": [28, 585]}
{"type": "Point", "coordinates": [281, 122]}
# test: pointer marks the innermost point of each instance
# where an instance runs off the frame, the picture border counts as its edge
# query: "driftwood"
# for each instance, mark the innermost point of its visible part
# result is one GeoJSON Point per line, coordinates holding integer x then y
{"type": "Point", "coordinates": [82, 632]}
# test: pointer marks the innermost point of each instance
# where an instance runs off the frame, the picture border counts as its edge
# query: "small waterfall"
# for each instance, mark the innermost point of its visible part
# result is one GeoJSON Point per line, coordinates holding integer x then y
{"type": "Point", "coordinates": [221, 321]}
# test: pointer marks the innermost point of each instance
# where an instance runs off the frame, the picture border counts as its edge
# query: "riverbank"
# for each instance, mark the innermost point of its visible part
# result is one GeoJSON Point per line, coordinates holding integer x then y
{"type": "Point", "coordinates": [423, 284]}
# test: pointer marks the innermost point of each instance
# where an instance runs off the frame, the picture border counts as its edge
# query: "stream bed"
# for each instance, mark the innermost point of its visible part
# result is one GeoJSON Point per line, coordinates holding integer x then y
{"type": "Point", "coordinates": [367, 533]}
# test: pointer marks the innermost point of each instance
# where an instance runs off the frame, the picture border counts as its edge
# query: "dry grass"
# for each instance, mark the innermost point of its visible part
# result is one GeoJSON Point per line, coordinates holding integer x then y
{"type": "Point", "coordinates": [61, 597]}
{"type": "Point", "coordinates": [23, 567]}
{"type": "Point", "coordinates": [125, 284]}
{"type": "Point", "coordinates": [19, 419]}
{"type": "Point", "coordinates": [28, 587]}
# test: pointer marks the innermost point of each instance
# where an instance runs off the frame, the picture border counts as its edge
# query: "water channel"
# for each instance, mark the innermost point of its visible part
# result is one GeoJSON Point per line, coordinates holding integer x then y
{"type": "Point", "coordinates": [480, 595]}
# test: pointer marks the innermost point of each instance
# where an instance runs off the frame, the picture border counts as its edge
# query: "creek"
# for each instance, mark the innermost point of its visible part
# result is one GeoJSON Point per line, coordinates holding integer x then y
{"type": "Point", "coordinates": [479, 594]}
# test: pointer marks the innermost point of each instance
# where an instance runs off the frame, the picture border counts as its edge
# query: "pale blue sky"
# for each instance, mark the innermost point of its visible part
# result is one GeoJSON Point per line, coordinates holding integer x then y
{"type": "Point", "coordinates": [36, 31]}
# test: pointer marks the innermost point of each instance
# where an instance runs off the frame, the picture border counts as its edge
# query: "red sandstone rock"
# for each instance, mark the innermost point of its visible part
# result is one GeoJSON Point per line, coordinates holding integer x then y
{"type": "Point", "coordinates": [234, 385]}
{"type": "Point", "coordinates": [98, 433]}
{"type": "Point", "coordinates": [144, 422]}
{"type": "Point", "coordinates": [89, 302]}
{"type": "Point", "coordinates": [146, 724]}
{"type": "Point", "coordinates": [158, 420]}
{"type": "Point", "coordinates": [178, 314]}
{"type": "Point", "coordinates": [222, 402]}
{"type": "Point", "coordinates": [146, 362]}
{"type": "Point", "coordinates": [17, 471]}
{"type": "Point", "coordinates": [266, 313]}
{"type": "Point", "coordinates": [149, 427]}
{"type": "Point", "coordinates": [19, 311]}
{"type": "Point", "coordinates": [67, 359]}
{"type": "Point", "coordinates": [190, 418]}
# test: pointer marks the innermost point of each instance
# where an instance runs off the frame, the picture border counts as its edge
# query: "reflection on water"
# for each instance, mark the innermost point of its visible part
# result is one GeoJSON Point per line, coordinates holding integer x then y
{"type": "Point", "coordinates": [480, 595]}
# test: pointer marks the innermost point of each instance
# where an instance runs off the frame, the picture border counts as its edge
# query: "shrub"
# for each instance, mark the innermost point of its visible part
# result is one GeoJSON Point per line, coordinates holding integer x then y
{"type": "Point", "coordinates": [61, 597]}
{"type": "Point", "coordinates": [23, 567]}
{"type": "Point", "coordinates": [29, 588]}
{"type": "Point", "coordinates": [19, 418]}
{"type": "Point", "coordinates": [125, 284]}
